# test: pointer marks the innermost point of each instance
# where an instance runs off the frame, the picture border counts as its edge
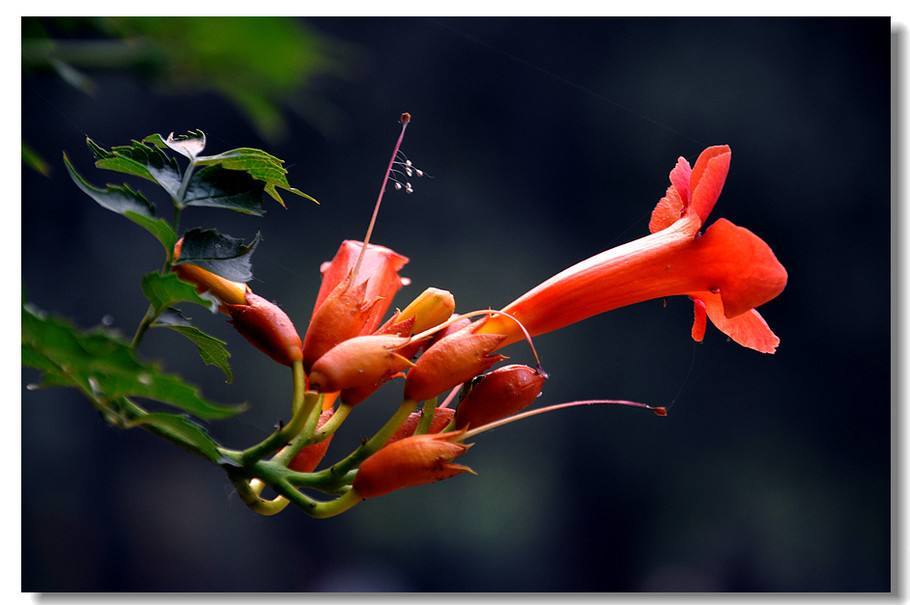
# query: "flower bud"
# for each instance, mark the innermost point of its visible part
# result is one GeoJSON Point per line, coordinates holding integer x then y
{"type": "Point", "coordinates": [415, 460]}
{"type": "Point", "coordinates": [267, 328]}
{"type": "Point", "coordinates": [441, 419]}
{"type": "Point", "coordinates": [451, 361]}
{"type": "Point", "coordinates": [428, 310]}
{"type": "Point", "coordinates": [352, 305]}
{"type": "Point", "coordinates": [308, 458]}
{"type": "Point", "coordinates": [227, 291]}
{"type": "Point", "coordinates": [501, 393]}
{"type": "Point", "coordinates": [359, 362]}
{"type": "Point", "coordinates": [458, 323]}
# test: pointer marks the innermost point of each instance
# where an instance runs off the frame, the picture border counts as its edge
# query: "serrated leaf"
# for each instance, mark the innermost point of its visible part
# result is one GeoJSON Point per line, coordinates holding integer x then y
{"type": "Point", "coordinates": [142, 160]}
{"type": "Point", "coordinates": [221, 254]}
{"type": "Point", "coordinates": [183, 430]}
{"type": "Point", "coordinates": [218, 187]}
{"type": "Point", "coordinates": [116, 198]}
{"type": "Point", "coordinates": [166, 289]}
{"type": "Point", "coordinates": [261, 166]}
{"type": "Point", "coordinates": [105, 367]}
{"type": "Point", "coordinates": [213, 351]}
{"type": "Point", "coordinates": [128, 202]}
{"type": "Point", "coordinates": [189, 145]}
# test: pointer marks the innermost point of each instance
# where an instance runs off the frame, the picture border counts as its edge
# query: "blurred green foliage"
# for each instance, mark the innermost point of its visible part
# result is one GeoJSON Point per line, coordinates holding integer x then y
{"type": "Point", "coordinates": [264, 65]}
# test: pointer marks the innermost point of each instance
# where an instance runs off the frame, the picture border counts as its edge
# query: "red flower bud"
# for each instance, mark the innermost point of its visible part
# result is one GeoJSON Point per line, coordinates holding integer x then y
{"type": "Point", "coordinates": [359, 362]}
{"type": "Point", "coordinates": [352, 305]}
{"type": "Point", "coordinates": [451, 361]}
{"type": "Point", "coordinates": [502, 392]}
{"type": "Point", "coordinates": [267, 327]}
{"type": "Point", "coordinates": [412, 461]}
{"type": "Point", "coordinates": [308, 458]}
{"type": "Point", "coordinates": [441, 419]}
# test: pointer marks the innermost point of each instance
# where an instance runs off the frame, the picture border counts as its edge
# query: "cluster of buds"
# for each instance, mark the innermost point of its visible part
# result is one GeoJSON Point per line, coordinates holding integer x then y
{"type": "Point", "coordinates": [348, 352]}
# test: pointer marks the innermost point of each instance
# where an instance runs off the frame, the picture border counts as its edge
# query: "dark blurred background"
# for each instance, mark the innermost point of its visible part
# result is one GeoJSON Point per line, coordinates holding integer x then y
{"type": "Point", "coordinates": [549, 140]}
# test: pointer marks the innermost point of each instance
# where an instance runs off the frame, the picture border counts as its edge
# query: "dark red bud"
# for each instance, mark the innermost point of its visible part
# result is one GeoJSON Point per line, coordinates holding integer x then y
{"type": "Point", "coordinates": [501, 393]}
{"type": "Point", "coordinates": [267, 328]}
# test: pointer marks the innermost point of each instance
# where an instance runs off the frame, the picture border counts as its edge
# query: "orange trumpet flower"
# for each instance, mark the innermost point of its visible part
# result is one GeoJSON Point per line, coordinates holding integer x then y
{"type": "Point", "coordinates": [727, 270]}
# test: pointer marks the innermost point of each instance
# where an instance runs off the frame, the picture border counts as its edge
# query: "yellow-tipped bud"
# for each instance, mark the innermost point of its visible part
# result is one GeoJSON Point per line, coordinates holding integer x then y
{"type": "Point", "coordinates": [227, 291]}
{"type": "Point", "coordinates": [431, 308]}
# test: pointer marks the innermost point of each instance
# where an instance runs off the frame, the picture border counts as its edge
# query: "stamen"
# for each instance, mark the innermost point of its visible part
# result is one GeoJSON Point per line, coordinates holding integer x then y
{"type": "Point", "coordinates": [445, 402]}
{"type": "Point", "coordinates": [658, 411]}
{"type": "Point", "coordinates": [405, 120]}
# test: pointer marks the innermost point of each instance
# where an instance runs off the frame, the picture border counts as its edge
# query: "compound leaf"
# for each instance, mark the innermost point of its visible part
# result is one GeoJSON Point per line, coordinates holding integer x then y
{"type": "Point", "coordinates": [105, 368]}
{"type": "Point", "coordinates": [140, 159]}
{"type": "Point", "coordinates": [213, 351]}
{"type": "Point", "coordinates": [182, 430]}
{"type": "Point", "coordinates": [166, 289]}
{"type": "Point", "coordinates": [261, 166]}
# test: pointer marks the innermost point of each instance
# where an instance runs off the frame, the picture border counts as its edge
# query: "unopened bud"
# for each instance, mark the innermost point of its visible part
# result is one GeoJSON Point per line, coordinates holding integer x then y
{"type": "Point", "coordinates": [359, 362]}
{"type": "Point", "coordinates": [501, 393]}
{"type": "Point", "coordinates": [431, 308]}
{"type": "Point", "coordinates": [451, 361]}
{"type": "Point", "coordinates": [415, 460]}
{"type": "Point", "coordinates": [441, 419]}
{"type": "Point", "coordinates": [267, 328]}
{"type": "Point", "coordinates": [225, 290]}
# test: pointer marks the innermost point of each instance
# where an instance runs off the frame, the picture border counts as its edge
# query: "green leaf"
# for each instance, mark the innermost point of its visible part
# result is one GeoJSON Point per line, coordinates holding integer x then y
{"type": "Point", "coordinates": [130, 203]}
{"type": "Point", "coordinates": [217, 187]}
{"type": "Point", "coordinates": [221, 254]}
{"type": "Point", "coordinates": [260, 165]}
{"type": "Point", "coordinates": [212, 350]}
{"type": "Point", "coordinates": [142, 160]}
{"type": "Point", "coordinates": [105, 368]}
{"type": "Point", "coordinates": [116, 198]}
{"type": "Point", "coordinates": [34, 161]}
{"type": "Point", "coordinates": [165, 290]}
{"type": "Point", "coordinates": [183, 430]}
{"type": "Point", "coordinates": [158, 227]}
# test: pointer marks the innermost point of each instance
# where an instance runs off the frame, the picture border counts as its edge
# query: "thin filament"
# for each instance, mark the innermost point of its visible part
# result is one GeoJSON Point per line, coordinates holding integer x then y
{"type": "Point", "coordinates": [445, 402]}
{"type": "Point", "coordinates": [658, 410]}
{"type": "Point", "coordinates": [405, 120]}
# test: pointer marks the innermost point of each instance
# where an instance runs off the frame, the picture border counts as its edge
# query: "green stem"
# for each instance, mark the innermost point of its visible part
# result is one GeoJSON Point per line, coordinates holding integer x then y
{"type": "Point", "coordinates": [313, 436]}
{"type": "Point", "coordinates": [315, 508]}
{"type": "Point", "coordinates": [150, 313]}
{"type": "Point", "coordinates": [178, 210]}
{"type": "Point", "coordinates": [147, 320]}
{"type": "Point", "coordinates": [304, 403]}
{"type": "Point", "coordinates": [426, 420]}
{"type": "Point", "coordinates": [181, 193]}
{"type": "Point", "coordinates": [339, 469]}
{"type": "Point", "coordinates": [332, 424]}
{"type": "Point", "coordinates": [260, 505]}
